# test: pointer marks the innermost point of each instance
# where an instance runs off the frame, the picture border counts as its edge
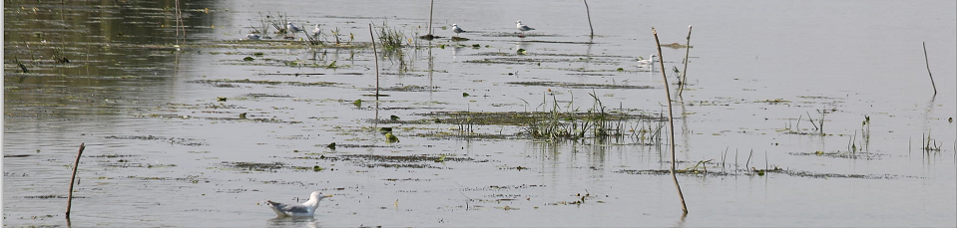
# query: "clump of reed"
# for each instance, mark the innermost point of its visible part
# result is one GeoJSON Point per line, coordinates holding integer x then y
{"type": "Point", "coordinates": [596, 123]}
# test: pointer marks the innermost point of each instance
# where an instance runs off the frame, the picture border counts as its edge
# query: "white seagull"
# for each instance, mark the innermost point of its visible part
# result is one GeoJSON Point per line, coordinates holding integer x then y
{"type": "Point", "coordinates": [648, 61]}
{"type": "Point", "coordinates": [292, 28]}
{"type": "Point", "coordinates": [316, 31]}
{"type": "Point", "coordinates": [522, 28]}
{"type": "Point", "coordinates": [304, 209]}
{"type": "Point", "coordinates": [456, 29]}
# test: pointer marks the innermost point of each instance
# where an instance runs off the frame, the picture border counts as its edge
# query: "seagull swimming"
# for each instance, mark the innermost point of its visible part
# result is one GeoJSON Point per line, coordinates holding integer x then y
{"type": "Point", "coordinates": [456, 29]}
{"type": "Point", "coordinates": [648, 61]}
{"type": "Point", "coordinates": [304, 209]}
{"type": "Point", "coordinates": [292, 28]}
{"type": "Point", "coordinates": [316, 31]}
{"type": "Point", "coordinates": [522, 28]}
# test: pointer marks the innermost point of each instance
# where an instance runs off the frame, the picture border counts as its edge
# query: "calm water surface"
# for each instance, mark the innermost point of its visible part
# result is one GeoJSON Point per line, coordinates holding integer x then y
{"type": "Point", "coordinates": [162, 151]}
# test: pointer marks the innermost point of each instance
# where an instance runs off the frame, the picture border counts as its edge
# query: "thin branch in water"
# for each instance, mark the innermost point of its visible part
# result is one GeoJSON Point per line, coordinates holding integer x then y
{"type": "Point", "coordinates": [588, 17]}
{"type": "Point", "coordinates": [926, 60]}
{"type": "Point", "coordinates": [683, 81]}
{"type": "Point", "coordinates": [376, 60]}
{"type": "Point", "coordinates": [73, 179]}
{"type": "Point", "coordinates": [673, 151]}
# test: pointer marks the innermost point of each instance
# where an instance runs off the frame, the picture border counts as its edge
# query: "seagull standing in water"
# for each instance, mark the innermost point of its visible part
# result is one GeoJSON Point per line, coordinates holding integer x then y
{"type": "Point", "coordinates": [456, 29]}
{"type": "Point", "coordinates": [292, 28]}
{"type": "Point", "coordinates": [648, 61]}
{"type": "Point", "coordinates": [304, 209]}
{"type": "Point", "coordinates": [316, 31]}
{"type": "Point", "coordinates": [523, 28]}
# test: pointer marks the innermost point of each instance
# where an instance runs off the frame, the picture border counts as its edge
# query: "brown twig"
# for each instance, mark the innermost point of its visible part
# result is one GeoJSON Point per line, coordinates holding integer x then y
{"type": "Point", "coordinates": [673, 151]}
{"type": "Point", "coordinates": [430, 26]}
{"type": "Point", "coordinates": [588, 17]}
{"type": "Point", "coordinates": [928, 68]}
{"type": "Point", "coordinates": [683, 81]}
{"type": "Point", "coordinates": [73, 180]}
{"type": "Point", "coordinates": [376, 60]}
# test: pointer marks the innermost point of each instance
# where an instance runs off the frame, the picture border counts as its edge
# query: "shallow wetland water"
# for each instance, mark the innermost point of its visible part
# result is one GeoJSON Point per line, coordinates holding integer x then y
{"type": "Point", "coordinates": [788, 120]}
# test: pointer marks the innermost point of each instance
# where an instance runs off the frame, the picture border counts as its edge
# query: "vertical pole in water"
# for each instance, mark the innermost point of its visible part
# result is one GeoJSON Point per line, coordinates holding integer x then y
{"type": "Point", "coordinates": [928, 68]}
{"type": "Point", "coordinates": [430, 26]}
{"type": "Point", "coordinates": [73, 180]}
{"type": "Point", "coordinates": [673, 151]}
{"type": "Point", "coordinates": [683, 81]}
{"type": "Point", "coordinates": [588, 18]}
{"type": "Point", "coordinates": [376, 60]}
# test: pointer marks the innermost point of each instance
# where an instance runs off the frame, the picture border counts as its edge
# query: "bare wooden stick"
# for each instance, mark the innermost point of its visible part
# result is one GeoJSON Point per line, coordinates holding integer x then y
{"type": "Point", "coordinates": [673, 151]}
{"type": "Point", "coordinates": [588, 18]}
{"type": "Point", "coordinates": [430, 26]}
{"type": "Point", "coordinates": [376, 60]}
{"type": "Point", "coordinates": [928, 68]}
{"type": "Point", "coordinates": [73, 179]}
{"type": "Point", "coordinates": [683, 81]}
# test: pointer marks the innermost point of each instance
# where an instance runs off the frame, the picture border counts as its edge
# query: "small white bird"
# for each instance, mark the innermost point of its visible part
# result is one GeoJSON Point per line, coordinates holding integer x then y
{"type": "Point", "coordinates": [253, 36]}
{"type": "Point", "coordinates": [316, 31]}
{"type": "Point", "coordinates": [292, 28]}
{"type": "Point", "coordinates": [304, 209]}
{"type": "Point", "coordinates": [648, 61]}
{"type": "Point", "coordinates": [456, 29]}
{"type": "Point", "coordinates": [523, 28]}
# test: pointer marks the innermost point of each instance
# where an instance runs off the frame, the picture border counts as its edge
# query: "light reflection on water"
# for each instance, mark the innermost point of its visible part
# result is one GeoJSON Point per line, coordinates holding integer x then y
{"type": "Point", "coordinates": [850, 57]}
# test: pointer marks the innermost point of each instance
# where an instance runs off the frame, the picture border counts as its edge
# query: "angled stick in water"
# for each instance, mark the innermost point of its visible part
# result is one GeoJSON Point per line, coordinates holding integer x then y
{"type": "Point", "coordinates": [376, 61]}
{"type": "Point", "coordinates": [73, 179]}
{"type": "Point", "coordinates": [928, 68]}
{"type": "Point", "coordinates": [683, 81]}
{"type": "Point", "coordinates": [673, 151]}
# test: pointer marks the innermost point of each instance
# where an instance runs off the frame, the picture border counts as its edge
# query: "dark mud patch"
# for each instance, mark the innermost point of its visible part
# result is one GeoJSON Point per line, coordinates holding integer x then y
{"type": "Point", "coordinates": [421, 161]}
{"type": "Point", "coordinates": [171, 140]}
{"type": "Point", "coordinates": [123, 163]}
{"type": "Point", "coordinates": [51, 196]}
{"type": "Point", "coordinates": [504, 187]}
{"type": "Point", "coordinates": [113, 156]}
{"type": "Point", "coordinates": [513, 118]}
{"type": "Point", "coordinates": [408, 158]}
{"type": "Point", "coordinates": [215, 106]}
{"type": "Point", "coordinates": [406, 88]}
{"type": "Point", "coordinates": [844, 155]}
{"type": "Point", "coordinates": [406, 179]}
{"type": "Point", "coordinates": [580, 85]}
{"type": "Point", "coordinates": [191, 179]}
{"type": "Point", "coordinates": [762, 172]}
{"type": "Point", "coordinates": [463, 135]}
{"type": "Point", "coordinates": [12, 174]}
{"type": "Point", "coordinates": [264, 95]}
{"type": "Point", "coordinates": [229, 83]}
{"type": "Point", "coordinates": [517, 34]}
{"type": "Point", "coordinates": [253, 166]}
